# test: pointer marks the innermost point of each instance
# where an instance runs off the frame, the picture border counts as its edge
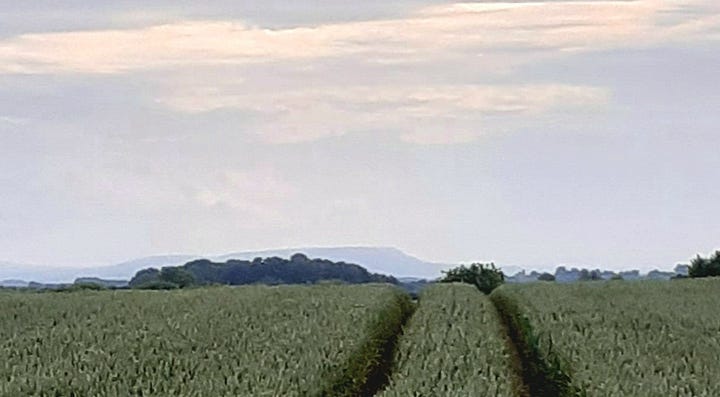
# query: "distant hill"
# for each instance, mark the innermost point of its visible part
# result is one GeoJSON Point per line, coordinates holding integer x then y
{"type": "Point", "coordinates": [384, 260]}
{"type": "Point", "coordinates": [44, 274]}
{"type": "Point", "coordinates": [127, 269]}
{"type": "Point", "coordinates": [55, 274]}
{"type": "Point", "coordinates": [13, 283]}
{"type": "Point", "coordinates": [102, 282]}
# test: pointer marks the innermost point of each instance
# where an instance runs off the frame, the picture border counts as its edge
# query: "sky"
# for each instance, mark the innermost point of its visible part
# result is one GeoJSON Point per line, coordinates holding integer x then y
{"type": "Point", "coordinates": [534, 134]}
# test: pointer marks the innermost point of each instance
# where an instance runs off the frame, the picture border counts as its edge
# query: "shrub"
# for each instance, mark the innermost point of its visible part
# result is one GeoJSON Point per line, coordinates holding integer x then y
{"type": "Point", "coordinates": [484, 276]}
{"type": "Point", "coordinates": [705, 267]}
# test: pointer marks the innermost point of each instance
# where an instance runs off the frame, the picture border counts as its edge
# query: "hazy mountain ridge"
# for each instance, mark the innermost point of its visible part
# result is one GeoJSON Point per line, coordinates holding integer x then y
{"type": "Point", "coordinates": [383, 260]}
{"type": "Point", "coordinates": [386, 260]}
{"type": "Point", "coordinates": [10, 271]}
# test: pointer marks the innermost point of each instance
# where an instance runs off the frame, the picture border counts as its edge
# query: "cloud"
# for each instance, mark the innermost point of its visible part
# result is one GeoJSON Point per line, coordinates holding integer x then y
{"type": "Point", "coordinates": [440, 136]}
{"type": "Point", "coordinates": [258, 192]}
{"type": "Point", "coordinates": [13, 121]}
{"type": "Point", "coordinates": [443, 114]}
{"type": "Point", "coordinates": [163, 46]}
{"type": "Point", "coordinates": [463, 28]}
{"type": "Point", "coordinates": [254, 194]}
{"type": "Point", "coordinates": [430, 77]}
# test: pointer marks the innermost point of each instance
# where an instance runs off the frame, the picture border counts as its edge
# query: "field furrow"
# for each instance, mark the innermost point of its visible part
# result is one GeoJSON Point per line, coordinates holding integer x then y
{"type": "Point", "coordinates": [453, 346]}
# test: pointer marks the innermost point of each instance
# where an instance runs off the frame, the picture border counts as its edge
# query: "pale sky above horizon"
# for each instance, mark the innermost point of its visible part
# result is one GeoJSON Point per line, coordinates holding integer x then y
{"type": "Point", "coordinates": [534, 134]}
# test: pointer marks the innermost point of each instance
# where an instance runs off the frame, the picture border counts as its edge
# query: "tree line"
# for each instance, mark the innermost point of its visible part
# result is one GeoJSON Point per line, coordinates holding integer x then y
{"type": "Point", "coordinates": [487, 277]}
{"type": "Point", "coordinates": [299, 269]}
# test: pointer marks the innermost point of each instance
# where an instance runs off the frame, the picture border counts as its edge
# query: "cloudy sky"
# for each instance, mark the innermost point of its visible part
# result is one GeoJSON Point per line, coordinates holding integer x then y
{"type": "Point", "coordinates": [529, 133]}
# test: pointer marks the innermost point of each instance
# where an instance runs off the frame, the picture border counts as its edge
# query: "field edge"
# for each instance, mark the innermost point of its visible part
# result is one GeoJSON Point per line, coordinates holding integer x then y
{"type": "Point", "coordinates": [369, 368]}
{"type": "Point", "coordinates": [544, 374]}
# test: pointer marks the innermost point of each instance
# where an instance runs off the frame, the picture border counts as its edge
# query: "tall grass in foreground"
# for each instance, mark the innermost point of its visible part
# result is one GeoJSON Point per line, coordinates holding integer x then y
{"type": "Point", "coordinates": [452, 346]}
{"type": "Point", "coordinates": [650, 339]}
{"type": "Point", "coordinates": [247, 341]}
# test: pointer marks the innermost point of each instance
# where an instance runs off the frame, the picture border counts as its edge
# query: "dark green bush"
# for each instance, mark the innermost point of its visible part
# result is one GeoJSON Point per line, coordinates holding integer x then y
{"type": "Point", "coordinates": [705, 267]}
{"type": "Point", "coordinates": [484, 276]}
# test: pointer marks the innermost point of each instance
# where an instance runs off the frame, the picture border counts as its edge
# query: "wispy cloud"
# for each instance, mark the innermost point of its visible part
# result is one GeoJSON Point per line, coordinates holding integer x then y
{"type": "Point", "coordinates": [14, 121]}
{"type": "Point", "coordinates": [426, 115]}
{"type": "Point", "coordinates": [464, 27]}
{"type": "Point", "coordinates": [163, 46]}
{"type": "Point", "coordinates": [193, 66]}
{"type": "Point", "coordinates": [257, 192]}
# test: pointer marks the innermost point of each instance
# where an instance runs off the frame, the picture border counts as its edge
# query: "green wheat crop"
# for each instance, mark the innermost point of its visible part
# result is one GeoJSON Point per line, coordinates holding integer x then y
{"type": "Point", "coordinates": [452, 346]}
{"type": "Point", "coordinates": [650, 339]}
{"type": "Point", "coordinates": [247, 341]}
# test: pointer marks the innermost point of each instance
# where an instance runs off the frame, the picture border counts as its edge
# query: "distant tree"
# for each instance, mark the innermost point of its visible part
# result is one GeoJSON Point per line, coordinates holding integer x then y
{"type": "Point", "coordinates": [584, 275]}
{"type": "Point", "coordinates": [546, 277]}
{"type": "Point", "coordinates": [589, 275]}
{"type": "Point", "coordinates": [486, 277]}
{"type": "Point", "coordinates": [299, 258]}
{"type": "Point", "coordinates": [144, 276]}
{"type": "Point", "coordinates": [169, 277]}
{"type": "Point", "coordinates": [682, 269]}
{"type": "Point", "coordinates": [705, 267]}
{"type": "Point", "coordinates": [177, 275]}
